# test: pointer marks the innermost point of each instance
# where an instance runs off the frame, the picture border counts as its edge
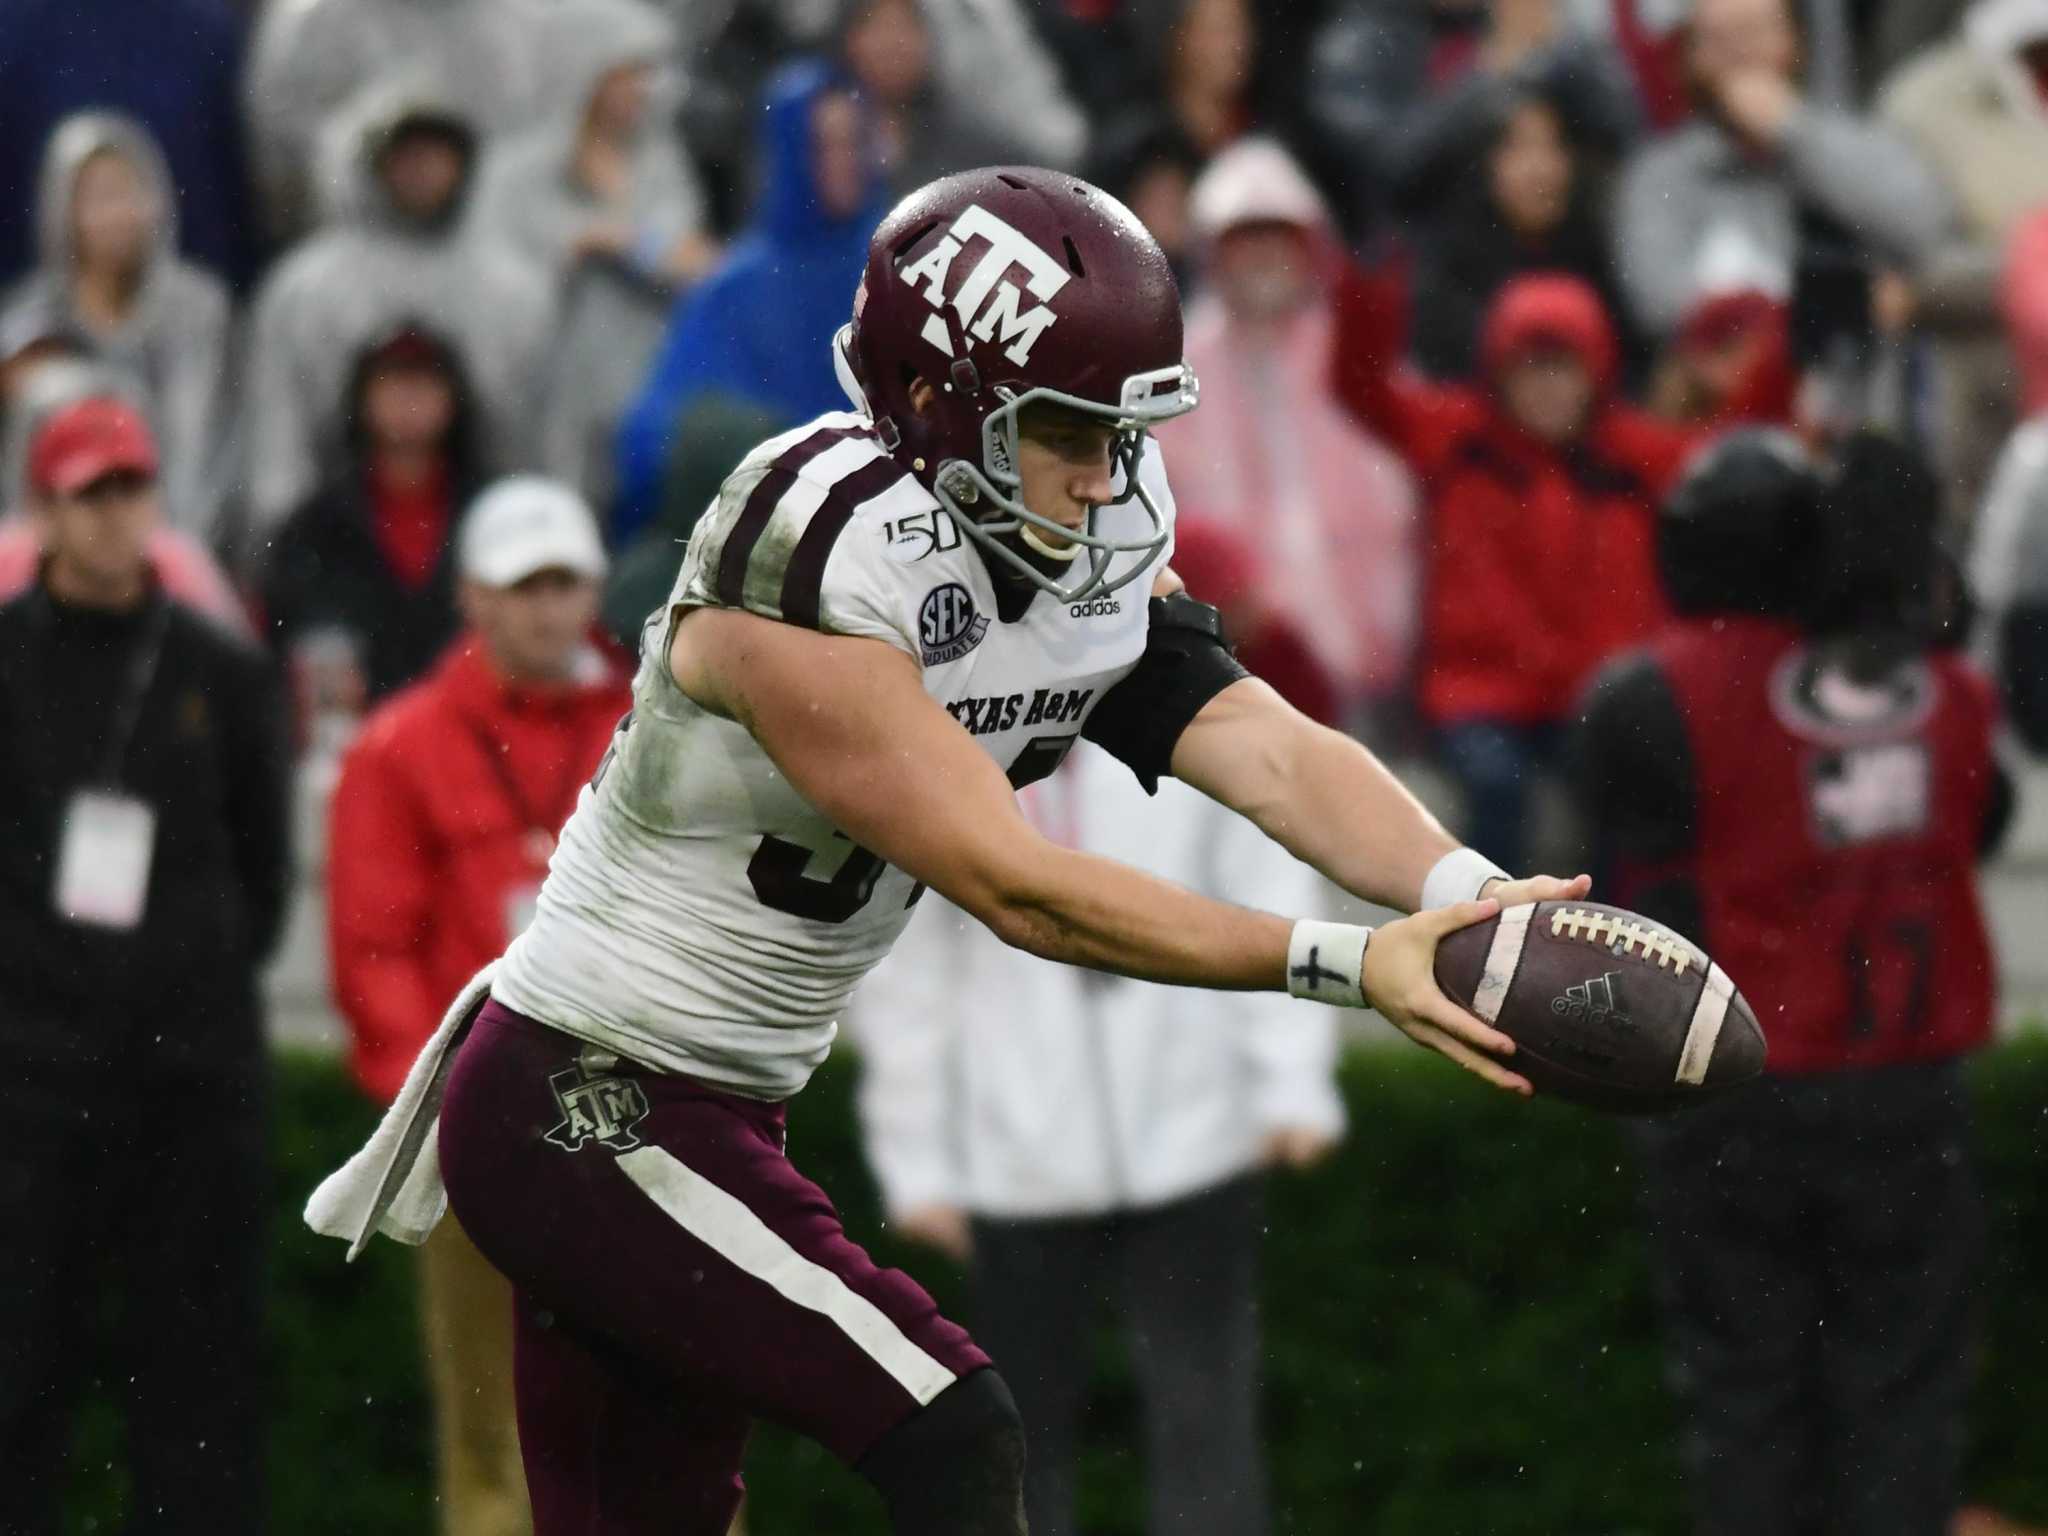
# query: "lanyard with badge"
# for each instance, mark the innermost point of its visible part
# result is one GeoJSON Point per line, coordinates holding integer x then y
{"type": "Point", "coordinates": [108, 842]}
{"type": "Point", "coordinates": [522, 900]}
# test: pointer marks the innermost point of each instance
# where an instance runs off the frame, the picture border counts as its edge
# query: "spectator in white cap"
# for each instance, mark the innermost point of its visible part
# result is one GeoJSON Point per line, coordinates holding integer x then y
{"type": "Point", "coordinates": [1334, 508]}
{"type": "Point", "coordinates": [442, 825]}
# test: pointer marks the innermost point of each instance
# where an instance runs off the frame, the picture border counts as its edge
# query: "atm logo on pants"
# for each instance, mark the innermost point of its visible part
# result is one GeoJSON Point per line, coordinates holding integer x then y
{"type": "Point", "coordinates": [600, 1109]}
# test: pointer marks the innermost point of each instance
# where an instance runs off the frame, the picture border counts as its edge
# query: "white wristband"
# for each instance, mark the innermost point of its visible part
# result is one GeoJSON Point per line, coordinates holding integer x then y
{"type": "Point", "coordinates": [1458, 876]}
{"type": "Point", "coordinates": [1326, 962]}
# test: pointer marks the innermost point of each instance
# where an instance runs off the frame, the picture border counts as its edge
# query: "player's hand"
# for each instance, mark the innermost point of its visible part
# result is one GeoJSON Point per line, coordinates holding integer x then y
{"type": "Point", "coordinates": [1400, 981]}
{"type": "Point", "coordinates": [943, 1227]}
{"type": "Point", "coordinates": [1516, 893]}
{"type": "Point", "coordinates": [1296, 1148]}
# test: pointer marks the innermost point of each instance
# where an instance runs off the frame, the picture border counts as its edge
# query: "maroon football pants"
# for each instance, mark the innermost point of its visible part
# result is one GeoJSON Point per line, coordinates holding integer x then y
{"type": "Point", "coordinates": [676, 1278]}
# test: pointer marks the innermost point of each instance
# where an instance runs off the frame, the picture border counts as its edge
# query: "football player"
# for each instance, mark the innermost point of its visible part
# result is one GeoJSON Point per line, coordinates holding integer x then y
{"type": "Point", "coordinates": [887, 620]}
{"type": "Point", "coordinates": [1798, 772]}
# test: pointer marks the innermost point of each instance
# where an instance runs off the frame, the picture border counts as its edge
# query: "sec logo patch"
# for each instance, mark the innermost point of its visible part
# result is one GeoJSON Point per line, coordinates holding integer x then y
{"type": "Point", "coordinates": [948, 627]}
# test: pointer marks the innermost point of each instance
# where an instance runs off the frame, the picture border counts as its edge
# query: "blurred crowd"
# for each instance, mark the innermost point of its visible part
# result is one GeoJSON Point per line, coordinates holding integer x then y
{"type": "Point", "coordinates": [408, 338]}
{"type": "Point", "coordinates": [1466, 281]}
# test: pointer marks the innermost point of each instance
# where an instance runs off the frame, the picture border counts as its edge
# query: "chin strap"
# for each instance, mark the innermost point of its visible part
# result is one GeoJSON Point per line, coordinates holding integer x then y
{"type": "Point", "coordinates": [1036, 543]}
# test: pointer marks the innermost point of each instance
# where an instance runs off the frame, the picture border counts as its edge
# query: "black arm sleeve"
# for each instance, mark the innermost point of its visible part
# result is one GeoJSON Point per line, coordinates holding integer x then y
{"type": "Point", "coordinates": [1630, 771]}
{"type": "Point", "coordinates": [1187, 662]}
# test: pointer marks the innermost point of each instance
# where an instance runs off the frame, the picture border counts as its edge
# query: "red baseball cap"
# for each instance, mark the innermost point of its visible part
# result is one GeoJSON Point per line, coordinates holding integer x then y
{"type": "Point", "coordinates": [84, 442]}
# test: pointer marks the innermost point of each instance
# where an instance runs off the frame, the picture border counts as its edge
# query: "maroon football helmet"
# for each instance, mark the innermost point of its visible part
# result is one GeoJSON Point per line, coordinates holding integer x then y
{"type": "Point", "coordinates": [998, 288]}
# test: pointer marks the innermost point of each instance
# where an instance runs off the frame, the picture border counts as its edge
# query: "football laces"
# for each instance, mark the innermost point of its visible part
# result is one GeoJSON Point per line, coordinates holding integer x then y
{"type": "Point", "coordinates": [1621, 937]}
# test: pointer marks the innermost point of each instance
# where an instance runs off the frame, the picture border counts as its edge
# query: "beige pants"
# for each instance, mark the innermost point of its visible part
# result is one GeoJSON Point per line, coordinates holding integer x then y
{"type": "Point", "coordinates": [466, 1317]}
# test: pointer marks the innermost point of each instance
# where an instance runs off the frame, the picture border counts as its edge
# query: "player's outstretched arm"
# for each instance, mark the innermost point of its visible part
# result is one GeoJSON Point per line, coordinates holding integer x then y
{"type": "Point", "coordinates": [849, 723]}
{"type": "Point", "coordinates": [1327, 800]}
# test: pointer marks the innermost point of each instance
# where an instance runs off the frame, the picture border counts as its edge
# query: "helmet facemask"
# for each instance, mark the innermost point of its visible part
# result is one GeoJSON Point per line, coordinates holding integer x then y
{"type": "Point", "coordinates": [986, 500]}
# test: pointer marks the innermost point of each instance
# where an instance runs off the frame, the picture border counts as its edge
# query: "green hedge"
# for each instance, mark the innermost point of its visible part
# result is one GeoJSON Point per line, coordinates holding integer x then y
{"type": "Point", "coordinates": [1459, 1335]}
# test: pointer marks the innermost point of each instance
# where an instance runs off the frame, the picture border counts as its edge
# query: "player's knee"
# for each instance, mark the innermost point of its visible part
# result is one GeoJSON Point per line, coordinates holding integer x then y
{"type": "Point", "coordinates": [956, 1467]}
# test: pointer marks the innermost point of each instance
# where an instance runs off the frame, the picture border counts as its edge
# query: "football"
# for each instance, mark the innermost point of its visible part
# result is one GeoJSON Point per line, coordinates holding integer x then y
{"type": "Point", "coordinates": [1606, 1008]}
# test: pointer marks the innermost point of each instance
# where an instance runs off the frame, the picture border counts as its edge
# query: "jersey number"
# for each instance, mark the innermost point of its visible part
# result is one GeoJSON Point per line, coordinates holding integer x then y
{"type": "Point", "coordinates": [779, 869]}
{"type": "Point", "coordinates": [777, 873]}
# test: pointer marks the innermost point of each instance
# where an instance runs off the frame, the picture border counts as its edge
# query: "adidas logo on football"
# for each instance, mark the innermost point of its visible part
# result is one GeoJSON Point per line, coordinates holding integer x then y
{"type": "Point", "coordinates": [1590, 1001]}
{"type": "Point", "coordinates": [1096, 609]}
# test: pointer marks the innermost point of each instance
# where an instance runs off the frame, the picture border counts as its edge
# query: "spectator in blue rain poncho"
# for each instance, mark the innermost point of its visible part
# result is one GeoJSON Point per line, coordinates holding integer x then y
{"type": "Point", "coordinates": [758, 328]}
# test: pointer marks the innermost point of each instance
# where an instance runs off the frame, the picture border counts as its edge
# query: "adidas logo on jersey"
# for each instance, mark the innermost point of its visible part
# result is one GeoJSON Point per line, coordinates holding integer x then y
{"type": "Point", "coordinates": [1098, 608]}
{"type": "Point", "coordinates": [1590, 1001]}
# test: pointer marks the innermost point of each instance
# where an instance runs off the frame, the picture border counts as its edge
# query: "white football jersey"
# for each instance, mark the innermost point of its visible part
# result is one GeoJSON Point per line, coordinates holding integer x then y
{"type": "Point", "coordinates": [699, 916]}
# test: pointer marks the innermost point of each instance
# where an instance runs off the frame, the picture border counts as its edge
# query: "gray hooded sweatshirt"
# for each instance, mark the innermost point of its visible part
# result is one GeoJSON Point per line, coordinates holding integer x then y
{"type": "Point", "coordinates": [355, 280]}
{"type": "Point", "coordinates": [528, 202]}
{"type": "Point", "coordinates": [310, 58]}
{"type": "Point", "coordinates": [172, 348]}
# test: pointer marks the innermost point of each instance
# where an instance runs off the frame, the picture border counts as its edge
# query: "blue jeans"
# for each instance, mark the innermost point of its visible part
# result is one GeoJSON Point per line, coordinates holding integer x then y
{"type": "Point", "coordinates": [1496, 764]}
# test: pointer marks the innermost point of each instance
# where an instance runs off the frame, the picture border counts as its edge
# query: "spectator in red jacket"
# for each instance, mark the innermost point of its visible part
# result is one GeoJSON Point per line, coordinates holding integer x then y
{"type": "Point", "coordinates": [443, 822]}
{"type": "Point", "coordinates": [1730, 363]}
{"type": "Point", "coordinates": [1541, 485]}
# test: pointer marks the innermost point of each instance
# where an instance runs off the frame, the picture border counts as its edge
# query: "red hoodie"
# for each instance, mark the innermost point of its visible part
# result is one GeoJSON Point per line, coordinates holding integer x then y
{"type": "Point", "coordinates": [433, 848]}
{"type": "Point", "coordinates": [1540, 560]}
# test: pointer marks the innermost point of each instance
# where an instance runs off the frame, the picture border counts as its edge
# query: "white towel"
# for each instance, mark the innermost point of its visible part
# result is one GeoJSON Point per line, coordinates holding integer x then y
{"type": "Point", "coordinates": [393, 1185]}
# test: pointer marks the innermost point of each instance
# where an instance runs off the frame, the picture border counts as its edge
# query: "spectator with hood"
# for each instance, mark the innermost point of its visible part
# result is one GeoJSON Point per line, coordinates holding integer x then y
{"type": "Point", "coordinates": [1398, 88]}
{"type": "Point", "coordinates": [1764, 176]}
{"type": "Point", "coordinates": [174, 66]}
{"type": "Point", "coordinates": [760, 328]}
{"type": "Point", "coordinates": [603, 175]}
{"type": "Point", "coordinates": [925, 129]}
{"type": "Point", "coordinates": [1976, 105]}
{"type": "Point", "coordinates": [360, 586]}
{"type": "Point", "coordinates": [988, 52]}
{"type": "Point", "coordinates": [1541, 485]}
{"type": "Point", "coordinates": [311, 58]}
{"type": "Point", "coordinates": [395, 250]}
{"type": "Point", "coordinates": [1525, 198]}
{"type": "Point", "coordinates": [111, 276]}
{"type": "Point", "coordinates": [1277, 458]}
{"type": "Point", "coordinates": [984, 54]}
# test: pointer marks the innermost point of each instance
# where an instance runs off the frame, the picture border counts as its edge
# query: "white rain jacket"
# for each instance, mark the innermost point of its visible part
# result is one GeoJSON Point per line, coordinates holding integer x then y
{"type": "Point", "coordinates": [1016, 1087]}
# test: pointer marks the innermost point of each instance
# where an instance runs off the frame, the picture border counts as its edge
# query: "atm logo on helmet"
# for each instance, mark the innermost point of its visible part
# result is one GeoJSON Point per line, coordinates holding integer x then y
{"type": "Point", "coordinates": [987, 306]}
